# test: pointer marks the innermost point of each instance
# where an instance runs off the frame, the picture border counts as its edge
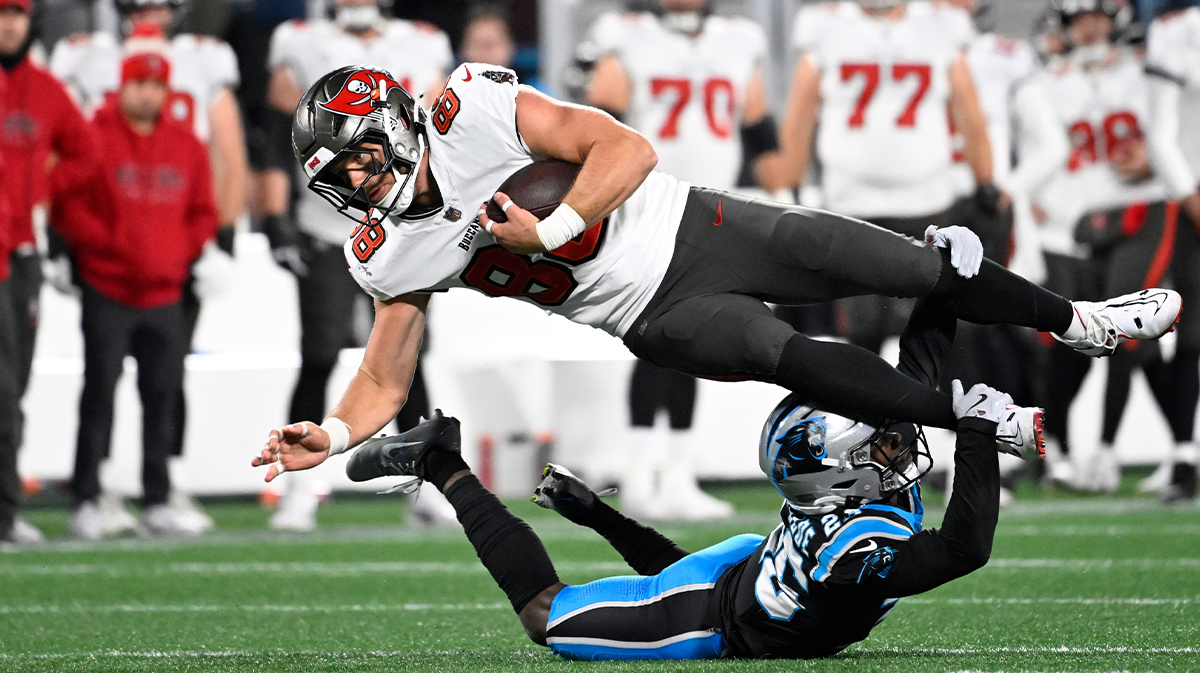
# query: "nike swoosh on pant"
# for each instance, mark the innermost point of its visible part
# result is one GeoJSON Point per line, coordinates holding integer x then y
{"type": "Point", "coordinates": [720, 219]}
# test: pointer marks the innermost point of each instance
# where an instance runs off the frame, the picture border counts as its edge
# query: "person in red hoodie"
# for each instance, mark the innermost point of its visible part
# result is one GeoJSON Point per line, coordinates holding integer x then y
{"type": "Point", "coordinates": [39, 127]}
{"type": "Point", "coordinates": [134, 227]}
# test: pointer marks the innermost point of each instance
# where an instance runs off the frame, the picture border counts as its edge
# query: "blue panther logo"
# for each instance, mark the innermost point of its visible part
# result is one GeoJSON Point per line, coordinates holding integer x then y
{"type": "Point", "coordinates": [802, 448]}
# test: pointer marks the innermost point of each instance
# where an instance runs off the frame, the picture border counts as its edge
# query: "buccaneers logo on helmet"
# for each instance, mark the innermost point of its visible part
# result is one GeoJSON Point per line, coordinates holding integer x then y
{"type": "Point", "coordinates": [364, 91]}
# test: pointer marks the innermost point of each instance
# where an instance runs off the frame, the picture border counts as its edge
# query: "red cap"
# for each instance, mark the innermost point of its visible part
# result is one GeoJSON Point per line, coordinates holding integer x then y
{"type": "Point", "coordinates": [144, 65]}
{"type": "Point", "coordinates": [25, 5]}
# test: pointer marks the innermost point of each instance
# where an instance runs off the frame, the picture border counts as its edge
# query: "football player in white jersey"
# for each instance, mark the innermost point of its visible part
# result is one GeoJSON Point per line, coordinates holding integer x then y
{"type": "Point", "coordinates": [204, 73]}
{"type": "Point", "coordinates": [310, 243]}
{"type": "Point", "coordinates": [692, 84]}
{"type": "Point", "coordinates": [1020, 124]}
{"type": "Point", "coordinates": [870, 90]}
{"type": "Point", "coordinates": [1173, 63]}
{"type": "Point", "coordinates": [680, 273]}
{"type": "Point", "coordinates": [1108, 224]}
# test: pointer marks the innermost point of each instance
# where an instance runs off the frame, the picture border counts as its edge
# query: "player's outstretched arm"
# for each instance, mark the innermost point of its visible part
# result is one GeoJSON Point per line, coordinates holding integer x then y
{"type": "Point", "coordinates": [374, 396]}
{"type": "Point", "coordinates": [970, 122]}
{"type": "Point", "coordinates": [615, 159]}
{"type": "Point", "coordinates": [788, 167]}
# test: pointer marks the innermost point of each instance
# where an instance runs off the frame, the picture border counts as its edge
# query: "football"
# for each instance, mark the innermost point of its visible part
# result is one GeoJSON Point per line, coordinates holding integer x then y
{"type": "Point", "coordinates": [538, 188]}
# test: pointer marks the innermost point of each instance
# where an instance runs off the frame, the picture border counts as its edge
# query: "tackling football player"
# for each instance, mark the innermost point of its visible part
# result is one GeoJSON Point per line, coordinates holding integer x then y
{"type": "Point", "coordinates": [680, 273]}
{"type": "Point", "coordinates": [850, 544]}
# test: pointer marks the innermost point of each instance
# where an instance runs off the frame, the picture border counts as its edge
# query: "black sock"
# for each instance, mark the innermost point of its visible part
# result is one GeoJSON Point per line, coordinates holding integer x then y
{"type": "Point", "coordinates": [441, 465]}
{"type": "Point", "coordinates": [646, 550]}
{"type": "Point", "coordinates": [847, 379]}
{"type": "Point", "coordinates": [506, 545]}
{"type": "Point", "coordinates": [997, 295]}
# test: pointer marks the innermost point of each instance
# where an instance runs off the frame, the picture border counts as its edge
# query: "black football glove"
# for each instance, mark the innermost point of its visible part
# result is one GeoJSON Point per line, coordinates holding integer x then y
{"type": "Point", "coordinates": [284, 237]}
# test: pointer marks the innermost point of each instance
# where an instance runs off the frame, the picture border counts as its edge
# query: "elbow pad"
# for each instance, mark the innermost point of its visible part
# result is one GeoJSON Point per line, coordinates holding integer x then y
{"type": "Point", "coordinates": [759, 138]}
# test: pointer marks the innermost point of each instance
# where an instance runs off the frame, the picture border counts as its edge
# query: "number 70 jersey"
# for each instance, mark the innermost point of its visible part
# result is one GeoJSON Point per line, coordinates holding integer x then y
{"type": "Point", "coordinates": [688, 93]}
{"type": "Point", "coordinates": [883, 136]}
{"type": "Point", "coordinates": [603, 278]}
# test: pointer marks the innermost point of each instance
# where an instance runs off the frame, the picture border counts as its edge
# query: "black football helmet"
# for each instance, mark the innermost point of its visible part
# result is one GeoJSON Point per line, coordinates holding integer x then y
{"type": "Point", "coordinates": [349, 106]}
{"type": "Point", "coordinates": [822, 461]}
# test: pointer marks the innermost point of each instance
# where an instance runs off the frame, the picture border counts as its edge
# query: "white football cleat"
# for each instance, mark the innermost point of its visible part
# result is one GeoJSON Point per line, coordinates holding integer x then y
{"type": "Point", "coordinates": [297, 512]}
{"type": "Point", "coordinates": [1099, 327]}
{"type": "Point", "coordinates": [1100, 473]}
{"type": "Point", "coordinates": [683, 499]}
{"type": "Point", "coordinates": [86, 522]}
{"type": "Point", "coordinates": [24, 532]}
{"type": "Point", "coordinates": [187, 506]}
{"type": "Point", "coordinates": [1019, 433]}
{"type": "Point", "coordinates": [115, 517]}
{"type": "Point", "coordinates": [165, 520]}
{"type": "Point", "coordinates": [1159, 479]}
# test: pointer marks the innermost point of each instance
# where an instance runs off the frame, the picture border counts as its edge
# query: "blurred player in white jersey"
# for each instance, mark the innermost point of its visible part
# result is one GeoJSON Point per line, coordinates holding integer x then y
{"type": "Point", "coordinates": [310, 243]}
{"type": "Point", "coordinates": [1107, 223]}
{"type": "Point", "coordinates": [870, 89]}
{"type": "Point", "coordinates": [1173, 64]}
{"type": "Point", "coordinates": [204, 73]}
{"type": "Point", "coordinates": [1021, 126]}
{"type": "Point", "coordinates": [692, 84]}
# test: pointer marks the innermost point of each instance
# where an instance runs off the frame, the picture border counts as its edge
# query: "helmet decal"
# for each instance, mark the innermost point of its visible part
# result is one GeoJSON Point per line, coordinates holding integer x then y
{"type": "Point", "coordinates": [362, 93]}
{"type": "Point", "coordinates": [801, 448]}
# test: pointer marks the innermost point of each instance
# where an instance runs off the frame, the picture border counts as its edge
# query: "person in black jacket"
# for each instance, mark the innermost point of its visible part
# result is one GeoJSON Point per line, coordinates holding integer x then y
{"type": "Point", "coordinates": [850, 544]}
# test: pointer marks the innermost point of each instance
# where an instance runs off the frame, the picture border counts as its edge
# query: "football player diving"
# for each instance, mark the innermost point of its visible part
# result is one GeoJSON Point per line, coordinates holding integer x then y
{"type": "Point", "coordinates": [679, 272]}
{"type": "Point", "coordinates": [850, 544]}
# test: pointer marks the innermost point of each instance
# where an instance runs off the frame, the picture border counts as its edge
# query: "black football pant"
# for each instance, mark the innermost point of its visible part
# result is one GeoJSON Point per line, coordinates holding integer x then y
{"type": "Point", "coordinates": [327, 298]}
{"type": "Point", "coordinates": [25, 286]}
{"type": "Point", "coordinates": [652, 389]}
{"type": "Point", "coordinates": [708, 317]}
{"type": "Point", "coordinates": [10, 482]}
{"type": "Point", "coordinates": [155, 338]}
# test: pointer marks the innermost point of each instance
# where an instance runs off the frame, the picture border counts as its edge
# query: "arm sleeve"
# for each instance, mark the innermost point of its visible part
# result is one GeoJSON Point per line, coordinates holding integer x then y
{"type": "Point", "coordinates": [926, 342]}
{"type": "Point", "coordinates": [72, 148]}
{"type": "Point", "coordinates": [75, 214]}
{"type": "Point", "coordinates": [933, 557]}
{"type": "Point", "coordinates": [1042, 141]}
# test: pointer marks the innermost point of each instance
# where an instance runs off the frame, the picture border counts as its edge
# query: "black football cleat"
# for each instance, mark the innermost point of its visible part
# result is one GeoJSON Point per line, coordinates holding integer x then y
{"type": "Point", "coordinates": [403, 454]}
{"type": "Point", "coordinates": [1183, 486]}
{"type": "Point", "coordinates": [566, 494]}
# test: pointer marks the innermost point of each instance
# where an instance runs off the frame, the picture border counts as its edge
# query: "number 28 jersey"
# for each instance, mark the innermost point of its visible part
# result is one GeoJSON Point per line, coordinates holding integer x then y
{"type": "Point", "coordinates": [603, 278]}
{"type": "Point", "coordinates": [689, 93]}
{"type": "Point", "coordinates": [883, 135]}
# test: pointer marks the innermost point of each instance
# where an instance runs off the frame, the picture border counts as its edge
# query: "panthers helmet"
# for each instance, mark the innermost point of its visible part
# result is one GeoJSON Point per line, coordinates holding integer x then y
{"type": "Point", "coordinates": [821, 461]}
{"type": "Point", "coordinates": [348, 106]}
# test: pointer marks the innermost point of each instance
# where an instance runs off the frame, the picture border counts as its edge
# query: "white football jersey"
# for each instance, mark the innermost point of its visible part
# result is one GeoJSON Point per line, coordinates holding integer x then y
{"type": "Point", "coordinates": [998, 65]}
{"type": "Point", "coordinates": [90, 66]}
{"type": "Point", "coordinates": [604, 278]}
{"type": "Point", "coordinates": [883, 135]}
{"type": "Point", "coordinates": [689, 93]}
{"type": "Point", "coordinates": [416, 54]}
{"type": "Point", "coordinates": [1173, 50]}
{"type": "Point", "coordinates": [1098, 108]}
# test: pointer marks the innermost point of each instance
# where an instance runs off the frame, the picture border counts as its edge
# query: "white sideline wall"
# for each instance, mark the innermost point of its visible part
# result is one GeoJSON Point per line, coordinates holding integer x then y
{"type": "Point", "coordinates": [501, 366]}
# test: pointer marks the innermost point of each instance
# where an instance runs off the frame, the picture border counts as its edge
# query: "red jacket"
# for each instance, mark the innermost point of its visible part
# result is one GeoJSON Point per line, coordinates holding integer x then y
{"type": "Point", "coordinates": [39, 118]}
{"type": "Point", "coordinates": [140, 217]}
{"type": "Point", "coordinates": [6, 246]}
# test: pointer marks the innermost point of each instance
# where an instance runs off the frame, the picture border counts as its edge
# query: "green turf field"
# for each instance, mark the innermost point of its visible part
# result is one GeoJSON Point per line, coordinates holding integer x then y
{"type": "Point", "coordinates": [1075, 584]}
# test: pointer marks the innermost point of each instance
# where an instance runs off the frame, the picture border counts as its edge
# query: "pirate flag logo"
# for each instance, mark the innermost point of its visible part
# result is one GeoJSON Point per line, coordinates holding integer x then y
{"type": "Point", "coordinates": [364, 91]}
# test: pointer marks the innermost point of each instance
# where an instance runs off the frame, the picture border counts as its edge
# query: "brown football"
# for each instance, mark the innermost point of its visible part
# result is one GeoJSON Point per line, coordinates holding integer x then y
{"type": "Point", "coordinates": [538, 188]}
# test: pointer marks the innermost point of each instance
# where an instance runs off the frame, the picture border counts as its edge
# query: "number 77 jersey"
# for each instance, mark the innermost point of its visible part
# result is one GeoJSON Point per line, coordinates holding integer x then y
{"type": "Point", "coordinates": [603, 278]}
{"type": "Point", "coordinates": [883, 134]}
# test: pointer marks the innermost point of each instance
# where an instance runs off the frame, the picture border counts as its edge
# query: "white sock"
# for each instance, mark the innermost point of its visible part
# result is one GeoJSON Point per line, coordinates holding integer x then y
{"type": "Point", "coordinates": [1076, 330]}
{"type": "Point", "coordinates": [1186, 452]}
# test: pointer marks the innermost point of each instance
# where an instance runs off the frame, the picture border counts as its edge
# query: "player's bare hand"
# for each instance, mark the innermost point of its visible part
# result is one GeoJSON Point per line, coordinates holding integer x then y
{"type": "Point", "coordinates": [299, 446]}
{"type": "Point", "coordinates": [519, 233]}
{"type": "Point", "coordinates": [1191, 206]}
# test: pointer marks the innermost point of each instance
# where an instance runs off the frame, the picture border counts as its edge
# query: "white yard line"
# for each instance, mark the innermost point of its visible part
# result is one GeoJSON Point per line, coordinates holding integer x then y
{"type": "Point", "coordinates": [135, 608]}
{"type": "Point", "coordinates": [231, 654]}
{"type": "Point", "coordinates": [360, 568]}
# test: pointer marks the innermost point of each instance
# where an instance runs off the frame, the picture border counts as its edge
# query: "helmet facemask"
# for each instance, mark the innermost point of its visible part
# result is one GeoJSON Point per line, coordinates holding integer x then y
{"type": "Point", "coordinates": [909, 458]}
{"type": "Point", "coordinates": [396, 124]}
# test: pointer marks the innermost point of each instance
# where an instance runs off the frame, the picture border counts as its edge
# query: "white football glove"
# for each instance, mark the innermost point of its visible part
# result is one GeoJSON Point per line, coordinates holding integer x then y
{"type": "Point", "coordinates": [966, 250]}
{"type": "Point", "coordinates": [981, 401]}
{"type": "Point", "coordinates": [214, 272]}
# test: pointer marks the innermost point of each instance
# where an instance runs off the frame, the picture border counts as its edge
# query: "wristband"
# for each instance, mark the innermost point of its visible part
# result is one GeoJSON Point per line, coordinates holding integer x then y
{"type": "Point", "coordinates": [561, 226]}
{"type": "Point", "coordinates": [339, 435]}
